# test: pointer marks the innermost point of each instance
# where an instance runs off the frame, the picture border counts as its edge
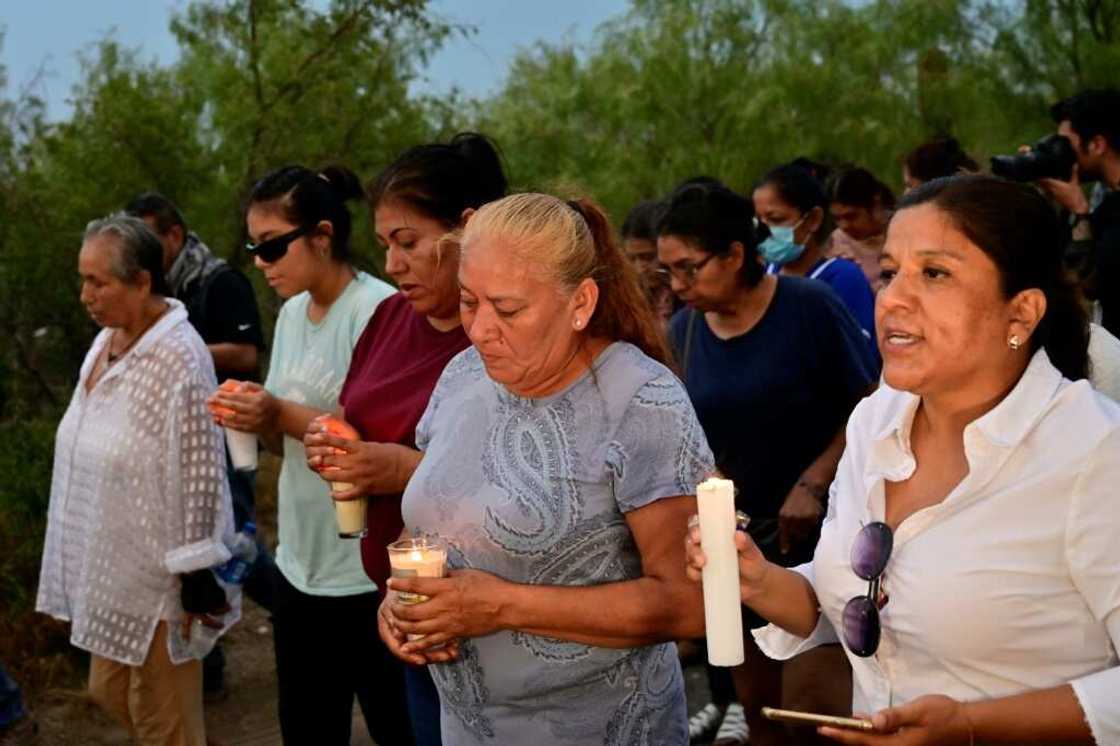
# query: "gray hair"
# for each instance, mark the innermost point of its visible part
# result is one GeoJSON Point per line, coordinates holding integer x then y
{"type": "Point", "coordinates": [137, 249]}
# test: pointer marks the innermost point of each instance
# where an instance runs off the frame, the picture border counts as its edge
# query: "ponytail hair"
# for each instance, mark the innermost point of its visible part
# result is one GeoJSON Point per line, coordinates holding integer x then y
{"type": "Point", "coordinates": [442, 180]}
{"type": "Point", "coordinates": [573, 241]}
{"type": "Point", "coordinates": [1016, 227]}
{"type": "Point", "coordinates": [306, 198]}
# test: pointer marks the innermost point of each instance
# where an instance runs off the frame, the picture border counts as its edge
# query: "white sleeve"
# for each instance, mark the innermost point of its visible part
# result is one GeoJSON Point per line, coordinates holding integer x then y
{"type": "Point", "coordinates": [1094, 562]}
{"type": "Point", "coordinates": [782, 645]}
{"type": "Point", "coordinates": [197, 492]}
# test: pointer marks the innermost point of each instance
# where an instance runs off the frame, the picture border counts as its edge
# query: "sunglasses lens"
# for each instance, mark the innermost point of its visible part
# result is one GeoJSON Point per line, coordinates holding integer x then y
{"type": "Point", "coordinates": [272, 249]}
{"type": "Point", "coordinates": [860, 624]}
{"type": "Point", "coordinates": [871, 550]}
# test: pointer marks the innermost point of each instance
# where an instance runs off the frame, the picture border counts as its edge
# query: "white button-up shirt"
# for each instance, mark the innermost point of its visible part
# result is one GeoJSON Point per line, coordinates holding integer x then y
{"type": "Point", "coordinates": [1010, 584]}
{"type": "Point", "coordinates": [138, 495]}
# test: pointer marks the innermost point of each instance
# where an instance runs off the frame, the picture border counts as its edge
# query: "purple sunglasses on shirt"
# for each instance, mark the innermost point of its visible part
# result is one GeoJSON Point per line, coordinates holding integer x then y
{"type": "Point", "coordinates": [860, 622]}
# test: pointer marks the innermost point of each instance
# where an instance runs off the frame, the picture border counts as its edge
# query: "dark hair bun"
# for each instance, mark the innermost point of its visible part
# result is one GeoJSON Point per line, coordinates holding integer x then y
{"type": "Point", "coordinates": [344, 182]}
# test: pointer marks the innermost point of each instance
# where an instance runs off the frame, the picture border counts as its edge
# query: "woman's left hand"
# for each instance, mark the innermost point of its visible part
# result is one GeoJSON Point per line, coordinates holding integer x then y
{"type": "Point", "coordinates": [467, 603]}
{"type": "Point", "coordinates": [932, 720]}
{"type": "Point", "coordinates": [799, 517]}
{"type": "Point", "coordinates": [254, 409]}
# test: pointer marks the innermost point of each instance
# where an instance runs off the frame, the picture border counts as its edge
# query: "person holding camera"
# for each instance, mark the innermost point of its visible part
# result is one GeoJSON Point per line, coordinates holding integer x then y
{"type": "Point", "coordinates": [1085, 149]}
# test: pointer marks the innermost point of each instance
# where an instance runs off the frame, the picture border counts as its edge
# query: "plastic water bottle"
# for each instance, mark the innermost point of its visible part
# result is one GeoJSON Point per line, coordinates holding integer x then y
{"type": "Point", "coordinates": [244, 552]}
{"type": "Point", "coordinates": [202, 639]}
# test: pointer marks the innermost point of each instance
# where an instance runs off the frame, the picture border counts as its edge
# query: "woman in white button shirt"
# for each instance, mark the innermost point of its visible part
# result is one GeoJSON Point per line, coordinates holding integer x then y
{"type": "Point", "coordinates": [970, 558]}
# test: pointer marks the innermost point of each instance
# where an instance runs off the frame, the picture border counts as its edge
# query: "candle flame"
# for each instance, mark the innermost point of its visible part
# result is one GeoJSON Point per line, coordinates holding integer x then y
{"type": "Point", "coordinates": [416, 555]}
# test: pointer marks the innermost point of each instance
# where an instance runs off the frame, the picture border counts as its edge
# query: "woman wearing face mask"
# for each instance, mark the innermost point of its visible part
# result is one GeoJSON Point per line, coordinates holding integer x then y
{"type": "Point", "coordinates": [861, 205]}
{"type": "Point", "coordinates": [326, 650]}
{"type": "Point", "coordinates": [792, 205]}
{"type": "Point", "coordinates": [777, 432]}
{"type": "Point", "coordinates": [418, 203]}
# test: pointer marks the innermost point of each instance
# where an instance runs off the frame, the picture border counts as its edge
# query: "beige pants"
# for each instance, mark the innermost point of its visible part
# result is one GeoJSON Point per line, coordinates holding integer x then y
{"type": "Point", "coordinates": [158, 701]}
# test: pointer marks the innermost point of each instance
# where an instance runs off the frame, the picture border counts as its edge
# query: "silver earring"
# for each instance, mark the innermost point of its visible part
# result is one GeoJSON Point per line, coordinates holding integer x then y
{"type": "Point", "coordinates": [1014, 343]}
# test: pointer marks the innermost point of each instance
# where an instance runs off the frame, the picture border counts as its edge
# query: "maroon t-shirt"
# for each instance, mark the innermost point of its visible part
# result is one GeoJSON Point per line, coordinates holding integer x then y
{"type": "Point", "coordinates": [393, 371]}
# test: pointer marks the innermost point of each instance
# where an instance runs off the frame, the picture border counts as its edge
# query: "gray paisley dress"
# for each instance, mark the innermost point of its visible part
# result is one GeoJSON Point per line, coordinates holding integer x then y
{"type": "Point", "coordinates": [536, 491]}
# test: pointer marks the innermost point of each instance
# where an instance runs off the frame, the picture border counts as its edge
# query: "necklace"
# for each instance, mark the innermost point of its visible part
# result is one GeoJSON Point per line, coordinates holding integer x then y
{"type": "Point", "coordinates": [112, 358]}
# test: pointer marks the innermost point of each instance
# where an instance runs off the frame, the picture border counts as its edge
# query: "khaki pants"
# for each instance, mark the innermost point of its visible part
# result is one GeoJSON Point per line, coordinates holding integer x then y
{"type": "Point", "coordinates": [158, 701]}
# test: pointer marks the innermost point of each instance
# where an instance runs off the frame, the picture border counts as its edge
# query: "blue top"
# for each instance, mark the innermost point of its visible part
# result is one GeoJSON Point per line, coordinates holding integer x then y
{"type": "Point", "coordinates": [772, 399]}
{"type": "Point", "coordinates": [537, 491]}
{"type": "Point", "coordinates": [849, 282]}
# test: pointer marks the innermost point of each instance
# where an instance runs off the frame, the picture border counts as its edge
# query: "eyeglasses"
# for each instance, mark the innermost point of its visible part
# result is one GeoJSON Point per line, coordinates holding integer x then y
{"type": "Point", "coordinates": [860, 622]}
{"type": "Point", "coordinates": [686, 273]}
{"type": "Point", "coordinates": [276, 247]}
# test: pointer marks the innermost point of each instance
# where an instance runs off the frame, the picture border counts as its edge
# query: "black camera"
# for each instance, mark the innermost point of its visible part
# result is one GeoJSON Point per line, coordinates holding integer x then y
{"type": "Point", "coordinates": [1052, 157]}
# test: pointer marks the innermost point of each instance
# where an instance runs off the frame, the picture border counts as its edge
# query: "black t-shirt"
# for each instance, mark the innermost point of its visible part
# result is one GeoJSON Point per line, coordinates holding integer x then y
{"type": "Point", "coordinates": [771, 400]}
{"type": "Point", "coordinates": [223, 308]}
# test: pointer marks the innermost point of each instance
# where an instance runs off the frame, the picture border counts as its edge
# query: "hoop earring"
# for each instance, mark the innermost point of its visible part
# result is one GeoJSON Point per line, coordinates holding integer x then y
{"type": "Point", "coordinates": [1014, 343]}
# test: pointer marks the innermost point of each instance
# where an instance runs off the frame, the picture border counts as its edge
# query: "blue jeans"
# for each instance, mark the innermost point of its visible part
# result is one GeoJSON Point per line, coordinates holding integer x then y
{"type": "Point", "coordinates": [11, 702]}
{"type": "Point", "coordinates": [423, 705]}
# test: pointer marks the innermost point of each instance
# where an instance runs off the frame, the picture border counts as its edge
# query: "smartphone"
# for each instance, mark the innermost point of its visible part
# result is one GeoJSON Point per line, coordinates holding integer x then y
{"type": "Point", "coordinates": [812, 718]}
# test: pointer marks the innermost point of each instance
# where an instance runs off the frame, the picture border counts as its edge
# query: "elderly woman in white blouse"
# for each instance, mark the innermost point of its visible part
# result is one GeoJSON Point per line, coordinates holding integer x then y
{"type": "Point", "coordinates": [970, 558]}
{"type": "Point", "coordinates": [139, 504]}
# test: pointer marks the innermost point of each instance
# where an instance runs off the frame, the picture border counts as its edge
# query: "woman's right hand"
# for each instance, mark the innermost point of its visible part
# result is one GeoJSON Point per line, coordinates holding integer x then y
{"type": "Point", "coordinates": [753, 566]}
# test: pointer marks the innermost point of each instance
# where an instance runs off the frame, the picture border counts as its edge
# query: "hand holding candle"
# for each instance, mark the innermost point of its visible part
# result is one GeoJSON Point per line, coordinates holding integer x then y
{"type": "Point", "coordinates": [715, 499]}
{"type": "Point", "coordinates": [418, 557]}
{"type": "Point", "coordinates": [351, 514]}
{"type": "Point", "coordinates": [242, 445]}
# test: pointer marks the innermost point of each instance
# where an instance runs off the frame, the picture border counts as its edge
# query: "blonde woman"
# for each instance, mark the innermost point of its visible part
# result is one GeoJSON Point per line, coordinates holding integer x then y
{"type": "Point", "coordinates": [556, 450]}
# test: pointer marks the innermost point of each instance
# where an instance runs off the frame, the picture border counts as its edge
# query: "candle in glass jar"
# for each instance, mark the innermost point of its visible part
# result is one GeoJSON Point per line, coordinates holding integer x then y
{"type": "Point", "coordinates": [418, 557]}
{"type": "Point", "coordinates": [723, 619]}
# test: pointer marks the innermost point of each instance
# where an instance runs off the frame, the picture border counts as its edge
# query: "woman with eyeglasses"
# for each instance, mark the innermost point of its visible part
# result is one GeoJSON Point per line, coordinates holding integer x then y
{"type": "Point", "coordinates": [327, 647]}
{"type": "Point", "coordinates": [774, 365]}
{"type": "Point", "coordinates": [969, 558]}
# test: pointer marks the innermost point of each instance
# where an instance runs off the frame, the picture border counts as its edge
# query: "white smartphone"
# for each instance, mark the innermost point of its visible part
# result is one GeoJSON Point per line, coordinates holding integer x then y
{"type": "Point", "coordinates": [812, 718]}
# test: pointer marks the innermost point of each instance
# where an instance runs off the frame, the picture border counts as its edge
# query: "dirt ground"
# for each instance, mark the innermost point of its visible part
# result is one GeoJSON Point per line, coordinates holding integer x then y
{"type": "Point", "coordinates": [247, 717]}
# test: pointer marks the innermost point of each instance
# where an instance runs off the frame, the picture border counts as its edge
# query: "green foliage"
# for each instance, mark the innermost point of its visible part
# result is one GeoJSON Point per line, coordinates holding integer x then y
{"type": "Point", "coordinates": [730, 88]}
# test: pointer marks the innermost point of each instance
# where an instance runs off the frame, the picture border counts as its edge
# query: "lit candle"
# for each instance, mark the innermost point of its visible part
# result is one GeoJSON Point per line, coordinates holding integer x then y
{"type": "Point", "coordinates": [418, 557]}
{"type": "Point", "coordinates": [715, 499]}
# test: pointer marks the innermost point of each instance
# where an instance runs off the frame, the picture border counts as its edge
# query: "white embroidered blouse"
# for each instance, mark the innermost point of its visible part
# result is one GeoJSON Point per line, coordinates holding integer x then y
{"type": "Point", "coordinates": [138, 494]}
{"type": "Point", "coordinates": [1012, 583]}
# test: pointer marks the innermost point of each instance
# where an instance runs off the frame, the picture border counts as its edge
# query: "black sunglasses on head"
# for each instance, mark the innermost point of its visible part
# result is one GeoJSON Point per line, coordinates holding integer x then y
{"type": "Point", "coordinates": [276, 247]}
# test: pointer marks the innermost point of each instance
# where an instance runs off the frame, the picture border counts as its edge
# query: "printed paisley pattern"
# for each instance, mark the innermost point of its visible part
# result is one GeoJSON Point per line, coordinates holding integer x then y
{"type": "Point", "coordinates": [537, 491]}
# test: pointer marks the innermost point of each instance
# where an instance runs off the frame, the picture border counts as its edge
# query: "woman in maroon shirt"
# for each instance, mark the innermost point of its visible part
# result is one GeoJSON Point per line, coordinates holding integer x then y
{"type": "Point", "coordinates": [418, 205]}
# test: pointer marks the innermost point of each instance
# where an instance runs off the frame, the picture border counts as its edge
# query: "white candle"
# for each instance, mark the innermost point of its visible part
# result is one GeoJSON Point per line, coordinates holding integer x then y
{"type": "Point", "coordinates": [722, 615]}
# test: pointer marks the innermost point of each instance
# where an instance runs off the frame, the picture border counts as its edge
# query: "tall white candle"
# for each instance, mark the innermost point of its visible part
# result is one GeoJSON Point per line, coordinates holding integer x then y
{"type": "Point", "coordinates": [722, 615]}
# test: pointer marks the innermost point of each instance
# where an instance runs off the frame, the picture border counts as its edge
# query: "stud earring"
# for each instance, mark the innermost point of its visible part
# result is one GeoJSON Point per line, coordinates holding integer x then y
{"type": "Point", "coordinates": [578, 324]}
{"type": "Point", "coordinates": [1014, 343]}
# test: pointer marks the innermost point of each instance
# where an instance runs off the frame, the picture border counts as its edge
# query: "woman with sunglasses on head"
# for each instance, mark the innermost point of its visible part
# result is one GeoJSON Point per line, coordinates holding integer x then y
{"type": "Point", "coordinates": [327, 647]}
{"type": "Point", "coordinates": [969, 558]}
{"type": "Point", "coordinates": [773, 365]}
{"type": "Point", "coordinates": [419, 203]}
